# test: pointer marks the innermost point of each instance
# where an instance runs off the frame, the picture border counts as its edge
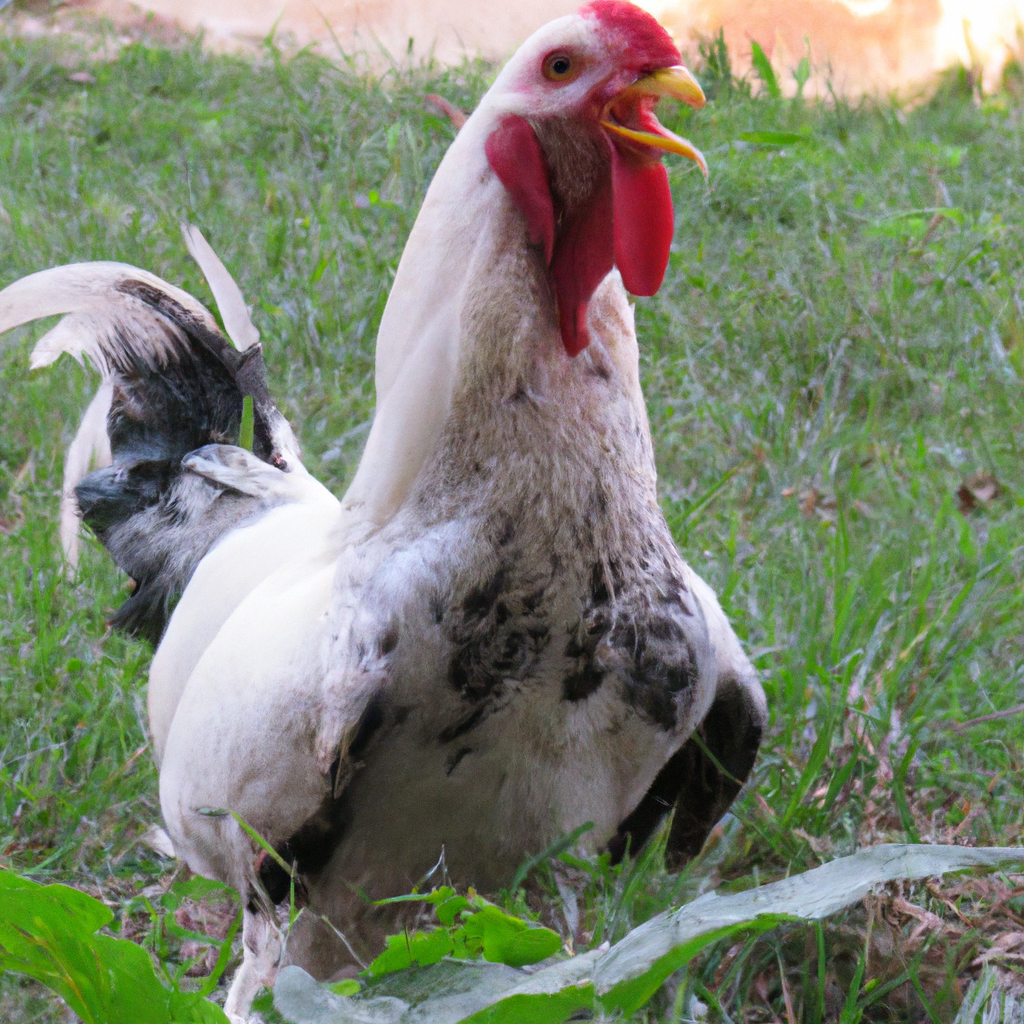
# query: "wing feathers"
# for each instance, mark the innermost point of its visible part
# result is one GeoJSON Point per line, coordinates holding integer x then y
{"type": "Point", "coordinates": [81, 288]}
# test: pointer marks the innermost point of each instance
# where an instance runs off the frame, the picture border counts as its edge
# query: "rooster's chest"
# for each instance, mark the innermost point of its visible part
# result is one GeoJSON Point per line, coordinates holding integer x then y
{"type": "Point", "coordinates": [539, 686]}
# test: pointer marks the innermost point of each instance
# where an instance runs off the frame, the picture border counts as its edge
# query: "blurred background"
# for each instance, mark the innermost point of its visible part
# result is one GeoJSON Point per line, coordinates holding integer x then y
{"type": "Point", "coordinates": [853, 46]}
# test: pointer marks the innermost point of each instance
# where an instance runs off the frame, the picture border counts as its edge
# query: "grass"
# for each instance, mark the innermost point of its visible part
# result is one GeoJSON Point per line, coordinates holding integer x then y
{"type": "Point", "coordinates": [838, 350]}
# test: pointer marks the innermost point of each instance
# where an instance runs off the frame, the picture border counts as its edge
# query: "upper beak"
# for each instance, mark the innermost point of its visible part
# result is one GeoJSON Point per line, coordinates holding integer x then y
{"type": "Point", "coordinates": [676, 83]}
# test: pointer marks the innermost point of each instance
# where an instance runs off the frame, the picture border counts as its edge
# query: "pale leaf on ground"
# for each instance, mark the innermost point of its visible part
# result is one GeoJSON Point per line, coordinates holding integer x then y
{"type": "Point", "coordinates": [626, 976]}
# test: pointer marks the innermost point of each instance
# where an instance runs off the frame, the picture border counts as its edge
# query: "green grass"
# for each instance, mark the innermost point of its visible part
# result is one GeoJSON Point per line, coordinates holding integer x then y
{"type": "Point", "coordinates": [838, 346]}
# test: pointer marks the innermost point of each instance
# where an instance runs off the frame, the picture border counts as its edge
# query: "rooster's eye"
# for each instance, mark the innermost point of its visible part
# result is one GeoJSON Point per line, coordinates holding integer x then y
{"type": "Point", "coordinates": [558, 67]}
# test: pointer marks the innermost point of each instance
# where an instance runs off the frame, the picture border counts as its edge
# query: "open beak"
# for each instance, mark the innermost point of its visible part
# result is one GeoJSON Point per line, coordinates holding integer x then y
{"type": "Point", "coordinates": [630, 115]}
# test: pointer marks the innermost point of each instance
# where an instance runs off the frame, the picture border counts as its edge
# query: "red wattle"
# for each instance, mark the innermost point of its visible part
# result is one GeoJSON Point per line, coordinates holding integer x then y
{"type": "Point", "coordinates": [516, 158]}
{"type": "Point", "coordinates": [584, 254]}
{"type": "Point", "coordinates": [643, 220]}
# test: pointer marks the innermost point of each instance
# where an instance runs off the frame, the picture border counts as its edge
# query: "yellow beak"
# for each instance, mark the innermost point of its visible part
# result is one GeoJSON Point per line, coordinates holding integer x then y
{"type": "Point", "coordinates": [676, 83]}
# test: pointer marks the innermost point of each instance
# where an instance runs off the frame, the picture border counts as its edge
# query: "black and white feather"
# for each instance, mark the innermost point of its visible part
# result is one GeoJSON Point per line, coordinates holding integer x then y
{"type": "Point", "coordinates": [173, 384]}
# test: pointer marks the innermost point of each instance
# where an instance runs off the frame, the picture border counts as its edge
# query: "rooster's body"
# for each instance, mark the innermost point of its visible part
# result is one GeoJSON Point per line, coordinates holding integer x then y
{"type": "Point", "coordinates": [492, 639]}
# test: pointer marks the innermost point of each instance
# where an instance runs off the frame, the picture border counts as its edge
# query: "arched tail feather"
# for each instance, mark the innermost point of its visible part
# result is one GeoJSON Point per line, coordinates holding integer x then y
{"type": "Point", "coordinates": [172, 384]}
{"type": "Point", "coordinates": [90, 450]}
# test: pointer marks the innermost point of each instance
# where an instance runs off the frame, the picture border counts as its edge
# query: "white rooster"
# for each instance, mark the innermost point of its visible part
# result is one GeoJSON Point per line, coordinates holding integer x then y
{"type": "Point", "coordinates": [492, 639]}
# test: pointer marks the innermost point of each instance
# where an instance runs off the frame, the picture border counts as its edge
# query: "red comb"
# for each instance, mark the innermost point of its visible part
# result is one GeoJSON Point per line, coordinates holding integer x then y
{"type": "Point", "coordinates": [645, 38]}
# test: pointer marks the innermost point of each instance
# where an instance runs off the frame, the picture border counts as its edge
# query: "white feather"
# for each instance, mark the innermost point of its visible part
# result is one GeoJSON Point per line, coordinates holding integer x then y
{"type": "Point", "coordinates": [224, 579]}
{"type": "Point", "coordinates": [82, 288]}
{"type": "Point", "coordinates": [233, 310]}
{"type": "Point", "coordinates": [88, 451]}
{"type": "Point", "coordinates": [101, 320]}
{"type": "Point", "coordinates": [420, 342]}
{"type": "Point", "coordinates": [422, 337]}
{"type": "Point", "coordinates": [237, 322]}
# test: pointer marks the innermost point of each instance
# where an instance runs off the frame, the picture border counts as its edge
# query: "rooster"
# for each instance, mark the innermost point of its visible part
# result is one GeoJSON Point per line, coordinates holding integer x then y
{"type": "Point", "coordinates": [492, 639]}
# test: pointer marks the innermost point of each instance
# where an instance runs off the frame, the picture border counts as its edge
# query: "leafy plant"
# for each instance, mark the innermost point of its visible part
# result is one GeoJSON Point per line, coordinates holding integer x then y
{"type": "Point", "coordinates": [715, 72]}
{"type": "Point", "coordinates": [52, 934]}
{"type": "Point", "coordinates": [470, 927]}
{"type": "Point", "coordinates": [802, 71]}
{"type": "Point", "coordinates": [166, 938]}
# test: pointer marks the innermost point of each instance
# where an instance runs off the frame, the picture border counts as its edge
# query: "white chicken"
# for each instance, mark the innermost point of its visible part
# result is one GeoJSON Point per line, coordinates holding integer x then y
{"type": "Point", "coordinates": [492, 639]}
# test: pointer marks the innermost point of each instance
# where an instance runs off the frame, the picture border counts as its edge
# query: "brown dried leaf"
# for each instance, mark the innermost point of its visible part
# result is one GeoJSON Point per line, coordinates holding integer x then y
{"type": "Point", "coordinates": [821, 845]}
{"type": "Point", "coordinates": [976, 491]}
{"type": "Point", "coordinates": [1007, 946]}
{"type": "Point", "coordinates": [926, 917]}
{"type": "Point", "coordinates": [1010, 940]}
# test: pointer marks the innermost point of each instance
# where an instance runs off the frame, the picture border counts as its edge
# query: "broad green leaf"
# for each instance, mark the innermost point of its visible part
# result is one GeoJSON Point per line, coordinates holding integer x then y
{"type": "Point", "coordinates": [348, 987]}
{"type": "Point", "coordinates": [450, 992]}
{"type": "Point", "coordinates": [448, 909]}
{"type": "Point", "coordinates": [535, 997]}
{"type": "Point", "coordinates": [486, 931]}
{"type": "Point", "coordinates": [402, 951]}
{"type": "Point", "coordinates": [632, 993]}
{"type": "Point", "coordinates": [504, 939]}
{"type": "Point", "coordinates": [397, 955]}
{"type": "Point", "coordinates": [536, 1009]}
{"type": "Point", "coordinates": [445, 901]}
{"type": "Point", "coordinates": [49, 933]}
{"type": "Point", "coordinates": [636, 966]}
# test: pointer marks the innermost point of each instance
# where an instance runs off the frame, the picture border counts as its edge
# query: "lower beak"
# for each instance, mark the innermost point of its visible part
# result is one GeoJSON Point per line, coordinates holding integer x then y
{"type": "Point", "coordinates": [638, 101]}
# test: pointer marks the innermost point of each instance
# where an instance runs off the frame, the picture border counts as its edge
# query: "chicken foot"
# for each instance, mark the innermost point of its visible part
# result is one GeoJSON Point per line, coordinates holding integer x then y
{"type": "Point", "coordinates": [262, 950]}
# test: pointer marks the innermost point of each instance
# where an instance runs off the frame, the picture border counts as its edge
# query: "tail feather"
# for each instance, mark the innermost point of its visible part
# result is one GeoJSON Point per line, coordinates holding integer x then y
{"type": "Point", "coordinates": [108, 313]}
{"type": "Point", "coordinates": [172, 384]}
{"type": "Point", "coordinates": [241, 330]}
{"type": "Point", "coordinates": [89, 451]}
{"type": "Point", "coordinates": [158, 519]}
